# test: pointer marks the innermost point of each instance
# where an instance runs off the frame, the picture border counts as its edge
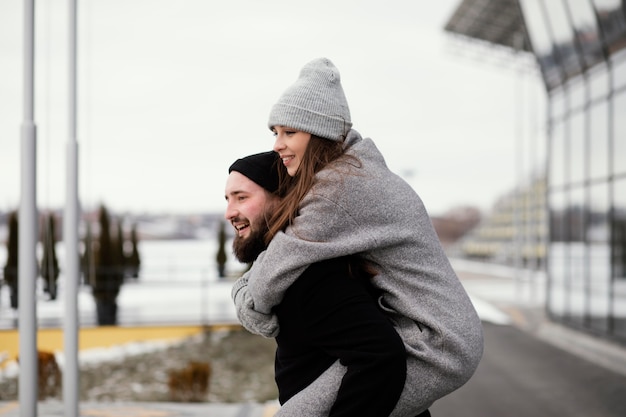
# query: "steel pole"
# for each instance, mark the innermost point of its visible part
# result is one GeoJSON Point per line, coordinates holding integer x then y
{"type": "Point", "coordinates": [70, 236]}
{"type": "Point", "coordinates": [27, 236]}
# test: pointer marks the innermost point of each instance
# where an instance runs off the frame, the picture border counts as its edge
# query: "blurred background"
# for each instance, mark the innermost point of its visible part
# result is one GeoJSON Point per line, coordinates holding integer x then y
{"type": "Point", "coordinates": [503, 115]}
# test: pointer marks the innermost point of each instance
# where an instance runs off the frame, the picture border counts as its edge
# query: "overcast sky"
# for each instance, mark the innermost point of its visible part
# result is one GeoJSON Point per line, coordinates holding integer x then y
{"type": "Point", "coordinates": [172, 92]}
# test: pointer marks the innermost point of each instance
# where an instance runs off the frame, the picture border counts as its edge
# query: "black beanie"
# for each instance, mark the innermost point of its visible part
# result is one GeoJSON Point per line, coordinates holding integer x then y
{"type": "Point", "coordinates": [260, 168]}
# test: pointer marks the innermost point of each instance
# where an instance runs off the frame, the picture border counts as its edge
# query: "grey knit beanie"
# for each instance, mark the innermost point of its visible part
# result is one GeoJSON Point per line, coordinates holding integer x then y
{"type": "Point", "coordinates": [315, 103]}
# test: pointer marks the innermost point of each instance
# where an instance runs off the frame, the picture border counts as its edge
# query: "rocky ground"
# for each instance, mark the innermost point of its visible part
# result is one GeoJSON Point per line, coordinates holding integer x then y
{"type": "Point", "coordinates": [242, 369]}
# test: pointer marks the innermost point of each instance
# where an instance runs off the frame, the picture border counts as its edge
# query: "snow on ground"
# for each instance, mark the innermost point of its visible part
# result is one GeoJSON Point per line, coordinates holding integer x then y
{"type": "Point", "coordinates": [488, 312]}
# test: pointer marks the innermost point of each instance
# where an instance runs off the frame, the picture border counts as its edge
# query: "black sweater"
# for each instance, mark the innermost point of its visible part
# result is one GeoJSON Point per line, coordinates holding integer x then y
{"type": "Point", "coordinates": [326, 315]}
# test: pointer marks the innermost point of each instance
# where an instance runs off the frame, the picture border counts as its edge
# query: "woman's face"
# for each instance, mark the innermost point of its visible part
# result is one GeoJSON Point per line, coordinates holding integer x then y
{"type": "Point", "coordinates": [290, 144]}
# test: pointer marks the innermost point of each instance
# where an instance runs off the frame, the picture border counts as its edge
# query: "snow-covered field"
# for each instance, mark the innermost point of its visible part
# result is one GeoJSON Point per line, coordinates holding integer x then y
{"type": "Point", "coordinates": [178, 283]}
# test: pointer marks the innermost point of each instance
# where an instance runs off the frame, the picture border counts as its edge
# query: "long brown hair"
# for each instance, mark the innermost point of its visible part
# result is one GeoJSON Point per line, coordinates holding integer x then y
{"type": "Point", "coordinates": [318, 154]}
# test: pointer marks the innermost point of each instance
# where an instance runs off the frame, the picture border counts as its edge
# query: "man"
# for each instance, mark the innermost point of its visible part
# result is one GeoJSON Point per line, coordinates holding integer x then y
{"type": "Point", "coordinates": [327, 315]}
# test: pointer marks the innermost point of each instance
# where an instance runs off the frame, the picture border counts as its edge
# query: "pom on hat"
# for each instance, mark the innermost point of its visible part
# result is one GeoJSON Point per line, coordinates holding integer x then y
{"type": "Point", "coordinates": [260, 168]}
{"type": "Point", "coordinates": [315, 103]}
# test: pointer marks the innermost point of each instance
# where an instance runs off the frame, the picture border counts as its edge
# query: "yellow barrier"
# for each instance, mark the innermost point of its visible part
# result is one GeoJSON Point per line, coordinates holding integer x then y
{"type": "Point", "coordinates": [51, 340]}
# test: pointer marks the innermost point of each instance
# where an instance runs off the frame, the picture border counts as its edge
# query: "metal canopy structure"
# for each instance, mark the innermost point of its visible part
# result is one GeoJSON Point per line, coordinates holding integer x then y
{"type": "Point", "coordinates": [498, 22]}
{"type": "Point", "coordinates": [567, 38]}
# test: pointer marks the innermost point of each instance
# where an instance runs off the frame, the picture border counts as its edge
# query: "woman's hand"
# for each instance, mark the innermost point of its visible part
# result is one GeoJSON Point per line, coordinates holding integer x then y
{"type": "Point", "coordinates": [265, 325]}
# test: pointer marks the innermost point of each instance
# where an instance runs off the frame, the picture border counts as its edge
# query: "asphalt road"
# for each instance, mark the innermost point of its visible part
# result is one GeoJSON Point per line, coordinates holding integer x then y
{"type": "Point", "coordinates": [521, 375]}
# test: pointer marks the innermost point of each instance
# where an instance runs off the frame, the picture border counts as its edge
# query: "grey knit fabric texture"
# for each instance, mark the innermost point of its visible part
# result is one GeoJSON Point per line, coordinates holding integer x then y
{"type": "Point", "coordinates": [315, 103]}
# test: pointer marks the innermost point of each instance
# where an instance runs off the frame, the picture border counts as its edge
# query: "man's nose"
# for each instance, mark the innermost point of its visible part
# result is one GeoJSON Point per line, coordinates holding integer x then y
{"type": "Point", "coordinates": [230, 212]}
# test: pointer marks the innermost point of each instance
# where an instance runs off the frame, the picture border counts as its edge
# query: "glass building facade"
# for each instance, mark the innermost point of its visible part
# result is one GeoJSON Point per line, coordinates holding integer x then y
{"type": "Point", "coordinates": [580, 48]}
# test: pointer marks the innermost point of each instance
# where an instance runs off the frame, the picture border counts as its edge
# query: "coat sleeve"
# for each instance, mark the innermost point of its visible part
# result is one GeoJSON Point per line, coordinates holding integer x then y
{"type": "Point", "coordinates": [323, 230]}
{"type": "Point", "coordinates": [258, 323]}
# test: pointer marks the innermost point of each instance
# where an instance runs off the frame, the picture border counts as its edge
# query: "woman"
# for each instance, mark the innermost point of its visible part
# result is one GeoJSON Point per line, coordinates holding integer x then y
{"type": "Point", "coordinates": [341, 199]}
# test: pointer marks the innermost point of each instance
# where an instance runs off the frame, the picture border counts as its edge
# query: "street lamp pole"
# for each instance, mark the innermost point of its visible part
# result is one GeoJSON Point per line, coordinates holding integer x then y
{"type": "Point", "coordinates": [70, 235]}
{"type": "Point", "coordinates": [27, 236]}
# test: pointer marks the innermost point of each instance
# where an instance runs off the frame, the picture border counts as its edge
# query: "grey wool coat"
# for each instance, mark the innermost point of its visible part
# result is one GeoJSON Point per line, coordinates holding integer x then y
{"type": "Point", "coordinates": [364, 208]}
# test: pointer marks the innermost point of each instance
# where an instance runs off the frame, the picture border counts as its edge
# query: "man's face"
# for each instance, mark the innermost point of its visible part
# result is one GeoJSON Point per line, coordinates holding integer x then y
{"type": "Point", "coordinates": [247, 203]}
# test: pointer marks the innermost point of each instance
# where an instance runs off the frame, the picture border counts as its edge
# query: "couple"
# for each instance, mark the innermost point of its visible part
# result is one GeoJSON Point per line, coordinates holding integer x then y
{"type": "Point", "coordinates": [335, 230]}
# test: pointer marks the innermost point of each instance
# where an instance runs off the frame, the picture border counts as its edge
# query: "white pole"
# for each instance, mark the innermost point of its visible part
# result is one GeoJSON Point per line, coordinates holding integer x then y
{"type": "Point", "coordinates": [27, 236]}
{"type": "Point", "coordinates": [520, 209]}
{"type": "Point", "coordinates": [70, 235]}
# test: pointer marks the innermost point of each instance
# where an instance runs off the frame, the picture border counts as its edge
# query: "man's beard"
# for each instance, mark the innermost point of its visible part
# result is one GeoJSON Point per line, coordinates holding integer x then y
{"type": "Point", "coordinates": [247, 249]}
